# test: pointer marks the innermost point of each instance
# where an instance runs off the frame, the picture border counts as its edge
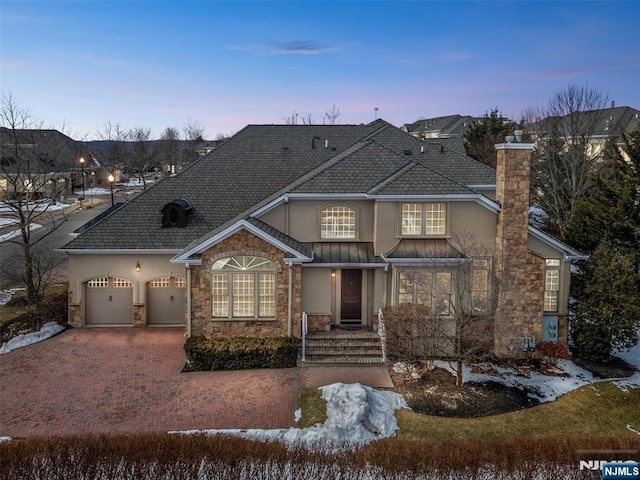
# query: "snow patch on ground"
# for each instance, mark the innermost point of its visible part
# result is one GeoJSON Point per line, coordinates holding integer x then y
{"type": "Point", "coordinates": [6, 295]}
{"type": "Point", "coordinates": [48, 330]}
{"type": "Point", "coordinates": [544, 388]}
{"type": "Point", "coordinates": [356, 415]}
{"type": "Point", "coordinates": [15, 233]}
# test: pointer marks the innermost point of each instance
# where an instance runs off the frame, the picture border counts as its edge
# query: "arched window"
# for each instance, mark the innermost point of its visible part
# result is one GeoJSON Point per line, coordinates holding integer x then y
{"type": "Point", "coordinates": [338, 222]}
{"type": "Point", "coordinates": [243, 287]}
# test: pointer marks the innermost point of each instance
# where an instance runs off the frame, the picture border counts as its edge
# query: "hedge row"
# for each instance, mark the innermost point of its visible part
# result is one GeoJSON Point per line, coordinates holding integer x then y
{"type": "Point", "coordinates": [241, 353]}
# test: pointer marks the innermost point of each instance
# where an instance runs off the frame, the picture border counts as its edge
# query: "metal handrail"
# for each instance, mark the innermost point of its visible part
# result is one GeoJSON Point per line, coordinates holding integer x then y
{"type": "Point", "coordinates": [382, 331]}
{"type": "Point", "coordinates": [305, 330]}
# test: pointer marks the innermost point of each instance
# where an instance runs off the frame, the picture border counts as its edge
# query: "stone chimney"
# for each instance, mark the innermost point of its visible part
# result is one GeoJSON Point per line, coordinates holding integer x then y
{"type": "Point", "coordinates": [519, 273]}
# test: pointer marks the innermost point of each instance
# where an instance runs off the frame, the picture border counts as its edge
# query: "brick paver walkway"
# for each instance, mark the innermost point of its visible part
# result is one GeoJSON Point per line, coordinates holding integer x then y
{"type": "Point", "coordinates": [117, 380]}
{"type": "Point", "coordinates": [376, 376]}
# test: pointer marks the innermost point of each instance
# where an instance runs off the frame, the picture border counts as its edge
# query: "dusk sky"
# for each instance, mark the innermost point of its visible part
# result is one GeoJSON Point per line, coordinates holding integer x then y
{"type": "Point", "coordinates": [227, 64]}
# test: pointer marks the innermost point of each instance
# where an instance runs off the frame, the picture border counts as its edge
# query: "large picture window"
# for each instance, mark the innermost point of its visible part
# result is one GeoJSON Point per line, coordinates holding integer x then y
{"type": "Point", "coordinates": [243, 287]}
{"type": "Point", "coordinates": [432, 289]}
{"type": "Point", "coordinates": [338, 222]}
{"type": "Point", "coordinates": [424, 219]}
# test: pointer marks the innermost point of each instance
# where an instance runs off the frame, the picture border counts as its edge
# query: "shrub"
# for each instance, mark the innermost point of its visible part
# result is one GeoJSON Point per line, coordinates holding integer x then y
{"type": "Point", "coordinates": [241, 353]}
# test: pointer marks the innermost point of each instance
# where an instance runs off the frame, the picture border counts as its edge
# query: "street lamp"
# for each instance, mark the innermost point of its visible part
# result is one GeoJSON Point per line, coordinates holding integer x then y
{"type": "Point", "coordinates": [82, 167]}
{"type": "Point", "coordinates": [111, 179]}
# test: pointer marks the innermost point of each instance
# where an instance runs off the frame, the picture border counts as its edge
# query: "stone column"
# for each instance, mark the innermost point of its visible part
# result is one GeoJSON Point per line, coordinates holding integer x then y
{"type": "Point", "coordinates": [519, 273]}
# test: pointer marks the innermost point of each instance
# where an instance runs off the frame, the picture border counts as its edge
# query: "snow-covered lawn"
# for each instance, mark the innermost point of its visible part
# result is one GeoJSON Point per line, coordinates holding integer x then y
{"type": "Point", "coordinates": [15, 233]}
{"type": "Point", "coordinates": [48, 330]}
{"type": "Point", "coordinates": [95, 191]}
{"type": "Point", "coordinates": [356, 415]}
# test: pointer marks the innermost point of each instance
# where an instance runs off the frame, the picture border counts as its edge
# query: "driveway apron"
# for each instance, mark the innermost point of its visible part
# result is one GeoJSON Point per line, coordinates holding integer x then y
{"type": "Point", "coordinates": [128, 380]}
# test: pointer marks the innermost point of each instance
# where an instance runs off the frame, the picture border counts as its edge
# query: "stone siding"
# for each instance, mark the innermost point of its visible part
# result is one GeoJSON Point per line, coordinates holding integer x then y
{"type": "Point", "coordinates": [245, 243]}
{"type": "Point", "coordinates": [139, 315]}
{"type": "Point", "coordinates": [519, 273]}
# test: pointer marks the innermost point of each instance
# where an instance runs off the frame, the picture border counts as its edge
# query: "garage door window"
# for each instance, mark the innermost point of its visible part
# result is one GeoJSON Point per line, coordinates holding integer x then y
{"type": "Point", "coordinates": [101, 282]}
{"type": "Point", "coordinates": [159, 283]}
{"type": "Point", "coordinates": [243, 287]}
{"type": "Point", "coordinates": [122, 283]}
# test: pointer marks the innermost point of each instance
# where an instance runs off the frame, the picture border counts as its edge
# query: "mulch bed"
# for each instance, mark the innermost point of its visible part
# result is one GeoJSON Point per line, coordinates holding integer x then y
{"type": "Point", "coordinates": [436, 394]}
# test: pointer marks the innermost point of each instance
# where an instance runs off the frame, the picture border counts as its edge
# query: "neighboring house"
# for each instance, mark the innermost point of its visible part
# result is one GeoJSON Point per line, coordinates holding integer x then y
{"type": "Point", "coordinates": [46, 163]}
{"type": "Point", "coordinates": [337, 221]}
{"type": "Point", "coordinates": [36, 163]}
{"type": "Point", "coordinates": [599, 125]}
{"type": "Point", "coordinates": [451, 126]}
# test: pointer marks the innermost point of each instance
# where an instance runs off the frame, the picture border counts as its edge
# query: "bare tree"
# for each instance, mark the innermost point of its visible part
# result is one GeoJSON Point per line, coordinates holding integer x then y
{"type": "Point", "coordinates": [168, 151]}
{"type": "Point", "coordinates": [193, 133]}
{"type": "Point", "coordinates": [332, 115]}
{"type": "Point", "coordinates": [30, 181]}
{"type": "Point", "coordinates": [142, 155]}
{"type": "Point", "coordinates": [291, 119]}
{"type": "Point", "coordinates": [444, 310]}
{"type": "Point", "coordinates": [566, 152]}
{"type": "Point", "coordinates": [115, 149]}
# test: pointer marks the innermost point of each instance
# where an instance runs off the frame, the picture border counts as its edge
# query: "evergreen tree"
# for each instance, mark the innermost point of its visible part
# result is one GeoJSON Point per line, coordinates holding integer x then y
{"type": "Point", "coordinates": [481, 138]}
{"type": "Point", "coordinates": [606, 225]}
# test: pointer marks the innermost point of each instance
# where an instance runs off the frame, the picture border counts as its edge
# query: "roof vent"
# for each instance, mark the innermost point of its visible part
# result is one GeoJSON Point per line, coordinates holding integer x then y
{"type": "Point", "coordinates": [408, 151]}
{"type": "Point", "coordinates": [174, 214]}
{"type": "Point", "coordinates": [313, 141]}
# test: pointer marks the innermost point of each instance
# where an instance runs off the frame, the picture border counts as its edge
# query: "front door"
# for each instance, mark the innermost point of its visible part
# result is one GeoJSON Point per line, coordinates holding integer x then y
{"type": "Point", "coordinates": [351, 305]}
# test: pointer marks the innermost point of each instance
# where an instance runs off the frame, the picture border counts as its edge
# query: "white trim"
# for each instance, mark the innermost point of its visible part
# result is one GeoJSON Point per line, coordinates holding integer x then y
{"type": "Point", "coordinates": [115, 251]}
{"type": "Point", "coordinates": [487, 186]}
{"type": "Point", "coordinates": [569, 253]}
{"type": "Point", "coordinates": [462, 197]}
{"type": "Point", "coordinates": [185, 256]}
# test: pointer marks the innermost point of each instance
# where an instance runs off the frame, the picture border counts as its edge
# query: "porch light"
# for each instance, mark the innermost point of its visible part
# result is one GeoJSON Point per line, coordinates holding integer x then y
{"type": "Point", "coordinates": [137, 266]}
{"type": "Point", "coordinates": [333, 274]}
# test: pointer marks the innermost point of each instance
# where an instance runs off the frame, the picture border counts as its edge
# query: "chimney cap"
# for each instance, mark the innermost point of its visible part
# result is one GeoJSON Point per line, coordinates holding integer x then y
{"type": "Point", "coordinates": [514, 146]}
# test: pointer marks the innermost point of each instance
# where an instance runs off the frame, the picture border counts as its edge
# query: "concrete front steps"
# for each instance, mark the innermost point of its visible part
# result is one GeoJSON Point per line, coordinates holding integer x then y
{"type": "Point", "coordinates": [343, 348]}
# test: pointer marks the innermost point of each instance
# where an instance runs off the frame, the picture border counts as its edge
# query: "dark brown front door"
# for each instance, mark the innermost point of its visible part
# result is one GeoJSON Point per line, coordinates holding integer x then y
{"type": "Point", "coordinates": [351, 309]}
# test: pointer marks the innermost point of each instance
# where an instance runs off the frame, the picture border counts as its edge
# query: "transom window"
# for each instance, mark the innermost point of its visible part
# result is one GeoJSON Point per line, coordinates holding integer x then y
{"type": "Point", "coordinates": [551, 284]}
{"type": "Point", "coordinates": [338, 222]}
{"type": "Point", "coordinates": [432, 289]}
{"type": "Point", "coordinates": [424, 218]}
{"type": "Point", "coordinates": [243, 287]}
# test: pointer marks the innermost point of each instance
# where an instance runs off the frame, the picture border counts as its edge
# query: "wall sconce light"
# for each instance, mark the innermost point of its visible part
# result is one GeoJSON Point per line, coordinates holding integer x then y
{"type": "Point", "coordinates": [137, 266]}
{"type": "Point", "coordinates": [333, 274]}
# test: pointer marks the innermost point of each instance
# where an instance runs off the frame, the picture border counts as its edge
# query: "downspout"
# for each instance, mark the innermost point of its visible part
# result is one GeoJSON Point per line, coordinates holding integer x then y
{"type": "Point", "coordinates": [289, 312]}
{"type": "Point", "coordinates": [188, 300]}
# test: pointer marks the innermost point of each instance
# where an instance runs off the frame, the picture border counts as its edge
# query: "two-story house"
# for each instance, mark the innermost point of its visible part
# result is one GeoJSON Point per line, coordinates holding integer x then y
{"type": "Point", "coordinates": [337, 221]}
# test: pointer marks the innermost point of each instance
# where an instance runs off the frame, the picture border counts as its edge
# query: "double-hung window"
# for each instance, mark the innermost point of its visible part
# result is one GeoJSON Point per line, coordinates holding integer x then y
{"type": "Point", "coordinates": [338, 222]}
{"type": "Point", "coordinates": [551, 284]}
{"type": "Point", "coordinates": [243, 287]}
{"type": "Point", "coordinates": [424, 219]}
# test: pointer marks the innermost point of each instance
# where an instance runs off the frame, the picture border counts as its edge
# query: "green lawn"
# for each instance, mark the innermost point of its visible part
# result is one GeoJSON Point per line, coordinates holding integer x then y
{"type": "Point", "coordinates": [601, 409]}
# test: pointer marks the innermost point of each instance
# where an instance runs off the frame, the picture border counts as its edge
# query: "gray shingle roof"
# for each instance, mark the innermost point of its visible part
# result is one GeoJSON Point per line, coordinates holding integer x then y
{"type": "Point", "coordinates": [262, 162]}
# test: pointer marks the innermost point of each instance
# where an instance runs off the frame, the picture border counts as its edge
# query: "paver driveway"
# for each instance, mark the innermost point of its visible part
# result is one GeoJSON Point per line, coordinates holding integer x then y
{"type": "Point", "coordinates": [126, 380]}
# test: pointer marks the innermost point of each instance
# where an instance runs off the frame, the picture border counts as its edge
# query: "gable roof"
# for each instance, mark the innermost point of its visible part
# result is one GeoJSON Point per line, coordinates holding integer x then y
{"type": "Point", "coordinates": [262, 162]}
{"type": "Point", "coordinates": [447, 126]}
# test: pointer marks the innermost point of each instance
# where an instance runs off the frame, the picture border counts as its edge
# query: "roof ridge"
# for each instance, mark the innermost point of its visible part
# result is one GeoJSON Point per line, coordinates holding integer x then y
{"type": "Point", "coordinates": [391, 178]}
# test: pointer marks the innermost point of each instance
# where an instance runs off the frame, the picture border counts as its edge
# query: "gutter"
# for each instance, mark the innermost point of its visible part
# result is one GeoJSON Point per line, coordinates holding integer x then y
{"type": "Point", "coordinates": [188, 267]}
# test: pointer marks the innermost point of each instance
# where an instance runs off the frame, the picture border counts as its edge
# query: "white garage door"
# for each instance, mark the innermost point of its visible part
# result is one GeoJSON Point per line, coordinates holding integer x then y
{"type": "Point", "coordinates": [165, 301]}
{"type": "Point", "coordinates": [109, 301]}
